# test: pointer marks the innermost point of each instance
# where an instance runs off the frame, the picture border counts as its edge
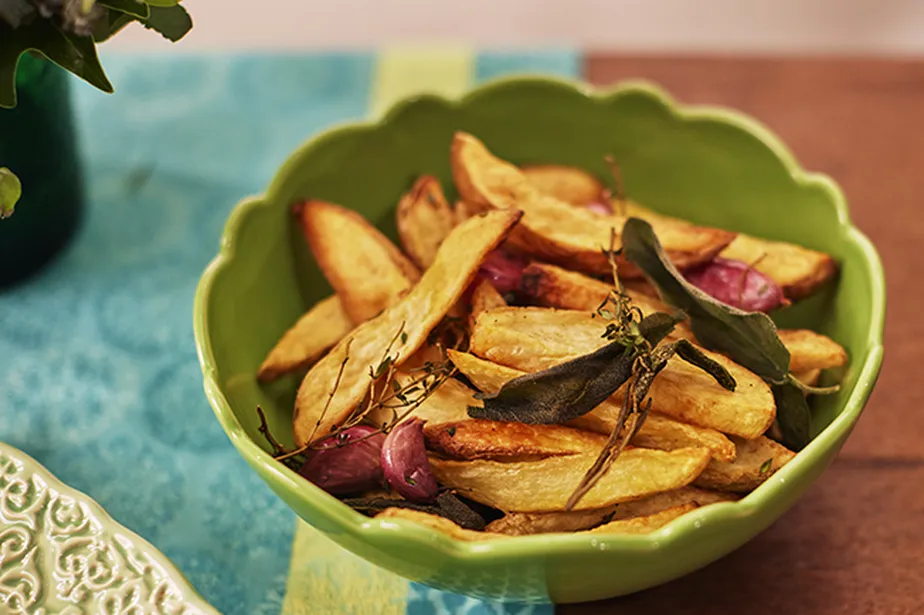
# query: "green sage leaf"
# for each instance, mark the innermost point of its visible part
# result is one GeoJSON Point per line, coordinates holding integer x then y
{"type": "Point", "coordinates": [693, 355]}
{"type": "Point", "coordinates": [792, 415]}
{"type": "Point", "coordinates": [571, 389]}
{"type": "Point", "coordinates": [749, 338]}
{"type": "Point", "coordinates": [135, 8]}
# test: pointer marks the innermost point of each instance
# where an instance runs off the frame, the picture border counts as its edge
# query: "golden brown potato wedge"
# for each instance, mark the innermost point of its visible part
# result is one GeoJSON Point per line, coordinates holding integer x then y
{"type": "Point", "coordinates": [799, 271]}
{"type": "Point", "coordinates": [336, 384]}
{"type": "Point", "coordinates": [555, 287]}
{"type": "Point", "coordinates": [533, 339]}
{"type": "Point", "coordinates": [809, 376]}
{"type": "Point", "coordinates": [569, 184]}
{"type": "Point", "coordinates": [435, 522]}
{"type": "Point", "coordinates": [809, 350]}
{"type": "Point", "coordinates": [658, 431]}
{"type": "Point", "coordinates": [546, 484]}
{"type": "Point", "coordinates": [552, 286]}
{"type": "Point", "coordinates": [554, 231]}
{"type": "Point", "coordinates": [448, 403]}
{"type": "Point", "coordinates": [757, 460]}
{"type": "Point", "coordinates": [484, 297]}
{"type": "Point", "coordinates": [482, 439]}
{"type": "Point", "coordinates": [518, 524]}
{"type": "Point", "coordinates": [645, 524]}
{"type": "Point", "coordinates": [424, 220]}
{"type": "Point", "coordinates": [316, 332]}
{"type": "Point", "coordinates": [365, 269]}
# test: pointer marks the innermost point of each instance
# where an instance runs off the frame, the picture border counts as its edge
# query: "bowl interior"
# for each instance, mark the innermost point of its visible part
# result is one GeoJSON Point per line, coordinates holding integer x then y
{"type": "Point", "coordinates": [708, 166]}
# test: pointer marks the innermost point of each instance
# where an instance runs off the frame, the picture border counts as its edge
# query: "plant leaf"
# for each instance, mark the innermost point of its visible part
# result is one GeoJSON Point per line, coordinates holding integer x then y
{"type": "Point", "coordinates": [571, 389]}
{"type": "Point", "coordinates": [15, 12]}
{"type": "Point", "coordinates": [136, 8]}
{"type": "Point", "coordinates": [10, 191]}
{"type": "Point", "coordinates": [110, 25]}
{"type": "Point", "coordinates": [173, 22]}
{"type": "Point", "coordinates": [693, 355]}
{"type": "Point", "coordinates": [749, 338]}
{"type": "Point", "coordinates": [162, 2]}
{"type": "Point", "coordinates": [447, 505]}
{"type": "Point", "coordinates": [792, 415]}
{"type": "Point", "coordinates": [76, 54]}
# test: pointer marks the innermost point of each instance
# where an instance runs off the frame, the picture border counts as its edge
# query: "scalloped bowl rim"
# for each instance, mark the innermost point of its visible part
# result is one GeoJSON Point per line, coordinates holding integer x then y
{"type": "Point", "coordinates": [370, 530]}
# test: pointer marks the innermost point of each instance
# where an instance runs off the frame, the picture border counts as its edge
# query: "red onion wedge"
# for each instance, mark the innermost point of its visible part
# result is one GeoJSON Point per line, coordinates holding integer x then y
{"type": "Point", "coordinates": [503, 270]}
{"type": "Point", "coordinates": [737, 284]}
{"type": "Point", "coordinates": [347, 463]}
{"type": "Point", "coordinates": [405, 463]}
{"type": "Point", "coordinates": [600, 207]}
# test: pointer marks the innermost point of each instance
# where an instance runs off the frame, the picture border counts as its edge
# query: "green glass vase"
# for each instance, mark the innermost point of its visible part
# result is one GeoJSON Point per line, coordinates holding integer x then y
{"type": "Point", "coordinates": [38, 143]}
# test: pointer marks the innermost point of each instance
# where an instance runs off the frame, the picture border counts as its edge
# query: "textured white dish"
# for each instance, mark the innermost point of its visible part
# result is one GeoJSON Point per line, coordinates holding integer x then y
{"type": "Point", "coordinates": [61, 553]}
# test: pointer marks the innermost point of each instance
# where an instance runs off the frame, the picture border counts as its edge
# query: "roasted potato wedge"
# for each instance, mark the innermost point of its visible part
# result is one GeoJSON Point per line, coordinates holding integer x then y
{"type": "Point", "coordinates": [555, 287]}
{"type": "Point", "coordinates": [448, 403]}
{"type": "Point", "coordinates": [365, 269]}
{"type": "Point", "coordinates": [556, 232]}
{"type": "Point", "coordinates": [336, 384]}
{"type": "Point", "coordinates": [756, 461]}
{"type": "Point", "coordinates": [546, 484]}
{"type": "Point", "coordinates": [658, 431]}
{"type": "Point", "coordinates": [316, 332]}
{"type": "Point", "coordinates": [484, 297]}
{"type": "Point", "coordinates": [435, 522]}
{"type": "Point", "coordinates": [424, 220]}
{"type": "Point", "coordinates": [798, 271]}
{"type": "Point", "coordinates": [569, 184]}
{"type": "Point", "coordinates": [482, 439]}
{"type": "Point", "coordinates": [809, 350]}
{"type": "Point", "coordinates": [518, 524]}
{"type": "Point", "coordinates": [532, 339]}
{"type": "Point", "coordinates": [645, 524]}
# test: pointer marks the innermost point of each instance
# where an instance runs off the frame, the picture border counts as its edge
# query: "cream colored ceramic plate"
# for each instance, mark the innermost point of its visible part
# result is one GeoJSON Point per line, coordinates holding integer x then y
{"type": "Point", "coordinates": [61, 553]}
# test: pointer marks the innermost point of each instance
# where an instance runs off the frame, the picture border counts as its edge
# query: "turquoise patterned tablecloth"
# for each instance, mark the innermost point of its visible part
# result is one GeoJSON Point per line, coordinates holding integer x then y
{"type": "Point", "coordinates": [101, 382]}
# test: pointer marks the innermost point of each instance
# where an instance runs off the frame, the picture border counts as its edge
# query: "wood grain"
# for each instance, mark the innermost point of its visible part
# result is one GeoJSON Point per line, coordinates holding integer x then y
{"type": "Point", "coordinates": [855, 543]}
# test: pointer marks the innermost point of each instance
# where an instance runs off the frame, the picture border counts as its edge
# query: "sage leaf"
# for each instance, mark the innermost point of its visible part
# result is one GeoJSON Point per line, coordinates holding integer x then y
{"type": "Point", "coordinates": [172, 22]}
{"type": "Point", "coordinates": [749, 338]}
{"type": "Point", "coordinates": [447, 505]}
{"type": "Point", "coordinates": [574, 388]}
{"type": "Point", "coordinates": [135, 8]}
{"type": "Point", "coordinates": [792, 415]}
{"type": "Point", "coordinates": [694, 356]}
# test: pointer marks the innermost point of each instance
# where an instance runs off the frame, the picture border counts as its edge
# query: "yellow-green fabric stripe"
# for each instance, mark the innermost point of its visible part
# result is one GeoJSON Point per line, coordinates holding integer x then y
{"type": "Point", "coordinates": [323, 577]}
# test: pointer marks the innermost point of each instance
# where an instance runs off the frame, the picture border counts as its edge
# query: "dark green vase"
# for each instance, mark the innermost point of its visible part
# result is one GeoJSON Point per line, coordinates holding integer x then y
{"type": "Point", "coordinates": [37, 142]}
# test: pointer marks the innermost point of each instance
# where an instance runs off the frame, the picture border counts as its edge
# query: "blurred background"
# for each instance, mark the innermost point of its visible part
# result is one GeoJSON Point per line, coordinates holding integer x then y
{"type": "Point", "coordinates": [844, 27]}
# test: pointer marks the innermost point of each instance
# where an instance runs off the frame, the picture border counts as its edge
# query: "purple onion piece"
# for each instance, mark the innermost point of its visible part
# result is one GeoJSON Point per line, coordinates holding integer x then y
{"type": "Point", "coordinates": [405, 463]}
{"type": "Point", "coordinates": [347, 463]}
{"type": "Point", "coordinates": [503, 270]}
{"type": "Point", "coordinates": [737, 284]}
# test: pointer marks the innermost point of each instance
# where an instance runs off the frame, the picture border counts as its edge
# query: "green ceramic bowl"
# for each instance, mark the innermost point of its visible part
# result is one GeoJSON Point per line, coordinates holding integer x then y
{"type": "Point", "coordinates": [711, 166]}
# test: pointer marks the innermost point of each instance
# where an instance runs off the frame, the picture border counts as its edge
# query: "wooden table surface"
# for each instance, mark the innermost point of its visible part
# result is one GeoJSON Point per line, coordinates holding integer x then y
{"type": "Point", "coordinates": [855, 543]}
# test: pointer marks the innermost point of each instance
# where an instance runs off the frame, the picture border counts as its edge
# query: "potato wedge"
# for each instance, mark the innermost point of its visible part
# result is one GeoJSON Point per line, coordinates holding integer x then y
{"type": "Point", "coordinates": [809, 350]}
{"type": "Point", "coordinates": [757, 460]}
{"type": "Point", "coordinates": [555, 287]}
{"type": "Point", "coordinates": [545, 485]}
{"type": "Point", "coordinates": [482, 439]}
{"type": "Point", "coordinates": [532, 339]}
{"type": "Point", "coordinates": [518, 524]}
{"type": "Point", "coordinates": [569, 184]}
{"type": "Point", "coordinates": [799, 271]}
{"type": "Point", "coordinates": [316, 332]}
{"type": "Point", "coordinates": [645, 524]}
{"type": "Point", "coordinates": [554, 231]}
{"type": "Point", "coordinates": [658, 431]}
{"type": "Point", "coordinates": [365, 269]}
{"type": "Point", "coordinates": [484, 297]}
{"type": "Point", "coordinates": [321, 403]}
{"type": "Point", "coordinates": [809, 376]}
{"type": "Point", "coordinates": [447, 404]}
{"type": "Point", "coordinates": [424, 220]}
{"type": "Point", "coordinates": [435, 522]}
